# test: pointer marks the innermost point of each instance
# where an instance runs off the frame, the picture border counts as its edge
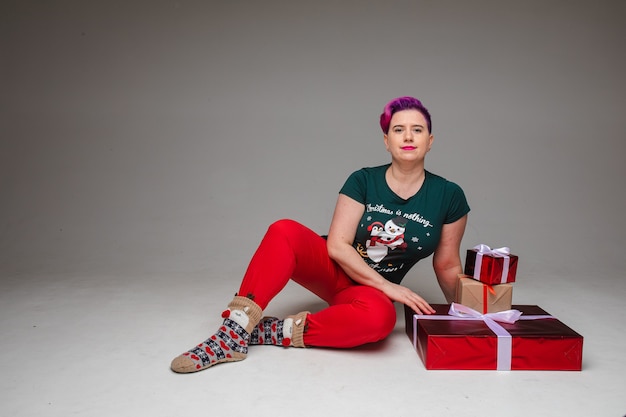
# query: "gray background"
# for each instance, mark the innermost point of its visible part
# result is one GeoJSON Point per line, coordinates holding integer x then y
{"type": "Point", "coordinates": [167, 135]}
{"type": "Point", "coordinates": [145, 146]}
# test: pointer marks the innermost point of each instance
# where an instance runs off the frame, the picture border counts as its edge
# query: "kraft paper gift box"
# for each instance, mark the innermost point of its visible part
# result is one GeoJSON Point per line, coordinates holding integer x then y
{"type": "Point", "coordinates": [535, 341]}
{"type": "Point", "coordinates": [491, 266]}
{"type": "Point", "coordinates": [483, 297]}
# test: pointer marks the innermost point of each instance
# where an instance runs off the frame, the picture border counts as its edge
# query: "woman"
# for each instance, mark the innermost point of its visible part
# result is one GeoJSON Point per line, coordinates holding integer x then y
{"type": "Point", "coordinates": [386, 219]}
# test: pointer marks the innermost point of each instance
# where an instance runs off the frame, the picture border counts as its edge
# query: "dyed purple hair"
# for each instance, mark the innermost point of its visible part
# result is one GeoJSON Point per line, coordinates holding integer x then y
{"type": "Point", "coordinates": [403, 103]}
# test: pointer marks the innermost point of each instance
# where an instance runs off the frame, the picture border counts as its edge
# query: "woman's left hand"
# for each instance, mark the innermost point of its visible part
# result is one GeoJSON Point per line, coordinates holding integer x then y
{"type": "Point", "coordinates": [405, 296]}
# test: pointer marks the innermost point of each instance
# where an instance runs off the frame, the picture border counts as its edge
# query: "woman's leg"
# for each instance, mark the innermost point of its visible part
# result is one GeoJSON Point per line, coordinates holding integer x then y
{"type": "Point", "coordinates": [290, 250]}
{"type": "Point", "coordinates": [356, 314]}
{"type": "Point", "coordinates": [287, 250]}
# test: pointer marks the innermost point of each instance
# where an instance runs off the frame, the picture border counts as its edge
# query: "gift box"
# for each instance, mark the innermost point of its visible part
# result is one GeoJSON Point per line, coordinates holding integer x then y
{"type": "Point", "coordinates": [483, 297]}
{"type": "Point", "coordinates": [491, 266]}
{"type": "Point", "coordinates": [532, 341]}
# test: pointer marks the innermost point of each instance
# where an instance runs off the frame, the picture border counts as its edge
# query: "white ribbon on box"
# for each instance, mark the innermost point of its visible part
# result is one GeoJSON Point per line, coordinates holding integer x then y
{"type": "Point", "coordinates": [505, 341]}
{"type": "Point", "coordinates": [502, 252]}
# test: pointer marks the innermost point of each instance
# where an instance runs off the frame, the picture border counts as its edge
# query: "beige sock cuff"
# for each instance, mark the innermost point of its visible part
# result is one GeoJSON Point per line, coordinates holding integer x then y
{"type": "Point", "coordinates": [299, 324]}
{"type": "Point", "coordinates": [252, 310]}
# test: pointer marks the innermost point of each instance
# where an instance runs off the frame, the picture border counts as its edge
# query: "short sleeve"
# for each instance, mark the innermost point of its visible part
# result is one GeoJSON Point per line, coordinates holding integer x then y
{"type": "Point", "coordinates": [355, 186]}
{"type": "Point", "coordinates": [458, 206]}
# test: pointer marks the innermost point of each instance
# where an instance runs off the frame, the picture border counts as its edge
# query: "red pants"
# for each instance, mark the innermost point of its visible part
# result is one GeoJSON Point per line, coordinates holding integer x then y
{"type": "Point", "coordinates": [357, 314]}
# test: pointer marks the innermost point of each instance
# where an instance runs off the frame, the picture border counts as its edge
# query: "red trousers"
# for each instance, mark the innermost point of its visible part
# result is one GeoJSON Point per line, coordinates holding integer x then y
{"type": "Point", "coordinates": [356, 314]}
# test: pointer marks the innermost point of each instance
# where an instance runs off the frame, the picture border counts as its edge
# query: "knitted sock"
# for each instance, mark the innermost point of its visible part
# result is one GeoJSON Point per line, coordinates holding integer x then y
{"type": "Point", "coordinates": [273, 331]}
{"type": "Point", "coordinates": [229, 343]}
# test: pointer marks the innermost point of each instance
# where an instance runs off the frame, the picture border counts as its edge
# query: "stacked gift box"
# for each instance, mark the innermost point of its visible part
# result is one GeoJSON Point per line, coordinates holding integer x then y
{"type": "Point", "coordinates": [487, 284]}
{"type": "Point", "coordinates": [482, 330]}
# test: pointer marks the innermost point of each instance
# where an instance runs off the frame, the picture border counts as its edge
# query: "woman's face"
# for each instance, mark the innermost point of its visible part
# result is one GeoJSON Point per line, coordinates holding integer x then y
{"type": "Point", "coordinates": [408, 138]}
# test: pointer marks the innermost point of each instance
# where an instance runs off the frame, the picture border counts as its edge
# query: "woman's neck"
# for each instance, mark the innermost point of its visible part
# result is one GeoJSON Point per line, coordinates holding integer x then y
{"type": "Point", "coordinates": [405, 181]}
{"type": "Point", "coordinates": [406, 174]}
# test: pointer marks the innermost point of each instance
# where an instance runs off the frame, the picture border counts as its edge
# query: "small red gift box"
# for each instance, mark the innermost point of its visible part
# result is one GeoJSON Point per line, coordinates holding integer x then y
{"type": "Point", "coordinates": [536, 341]}
{"type": "Point", "coordinates": [491, 266]}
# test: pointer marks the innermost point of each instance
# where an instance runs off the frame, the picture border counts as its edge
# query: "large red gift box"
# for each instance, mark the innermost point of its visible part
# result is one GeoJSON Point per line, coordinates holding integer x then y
{"type": "Point", "coordinates": [491, 266]}
{"type": "Point", "coordinates": [535, 343]}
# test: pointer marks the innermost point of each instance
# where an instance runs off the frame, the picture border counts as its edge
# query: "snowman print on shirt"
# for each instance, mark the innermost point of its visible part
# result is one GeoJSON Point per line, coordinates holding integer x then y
{"type": "Point", "coordinates": [385, 238]}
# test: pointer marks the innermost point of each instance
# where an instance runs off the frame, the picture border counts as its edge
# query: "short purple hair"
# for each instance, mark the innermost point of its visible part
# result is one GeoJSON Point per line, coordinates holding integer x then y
{"type": "Point", "coordinates": [403, 103]}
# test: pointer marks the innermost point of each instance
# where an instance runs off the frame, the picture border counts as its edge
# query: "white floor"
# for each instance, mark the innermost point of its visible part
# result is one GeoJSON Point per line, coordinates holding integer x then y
{"type": "Point", "coordinates": [101, 346]}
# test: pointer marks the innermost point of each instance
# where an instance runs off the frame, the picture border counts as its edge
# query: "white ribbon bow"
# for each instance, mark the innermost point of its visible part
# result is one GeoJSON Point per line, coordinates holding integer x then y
{"type": "Point", "coordinates": [502, 252]}
{"type": "Point", "coordinates": [507, 316]}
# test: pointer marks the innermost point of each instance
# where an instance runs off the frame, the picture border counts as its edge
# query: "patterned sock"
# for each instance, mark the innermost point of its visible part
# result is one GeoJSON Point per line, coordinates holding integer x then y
{"type": "Point", "coordinates": [229, 343]}
{"type": "Point", "coordinates": [273, 331]}
{"type": "Point", "coordinates": [269, 331]}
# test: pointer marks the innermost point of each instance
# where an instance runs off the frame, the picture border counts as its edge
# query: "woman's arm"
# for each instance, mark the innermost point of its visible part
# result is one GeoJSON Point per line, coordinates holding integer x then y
{"type": "Point", "coordinates": [342, 231]}
{"type": "Point", "coordinates": [446, 259]}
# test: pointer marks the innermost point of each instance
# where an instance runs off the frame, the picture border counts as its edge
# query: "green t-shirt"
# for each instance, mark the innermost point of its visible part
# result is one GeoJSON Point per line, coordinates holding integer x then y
{"type": "Point", "coordinates": [394, 233]}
